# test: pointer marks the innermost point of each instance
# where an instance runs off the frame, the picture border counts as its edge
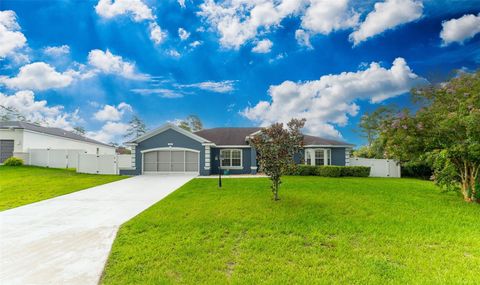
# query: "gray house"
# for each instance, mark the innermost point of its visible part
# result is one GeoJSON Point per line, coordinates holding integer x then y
{"type": "Point", "coordinates": [171, 149]}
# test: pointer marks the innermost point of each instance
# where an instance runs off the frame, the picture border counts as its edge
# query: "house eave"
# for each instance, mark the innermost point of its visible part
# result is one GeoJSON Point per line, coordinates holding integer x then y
{"type": "Point", "coordinates": [232, 146]}
{"type": "Point", "coordinates": [165, 128]}
{"type": "Point", "coordinates": [329, 145]}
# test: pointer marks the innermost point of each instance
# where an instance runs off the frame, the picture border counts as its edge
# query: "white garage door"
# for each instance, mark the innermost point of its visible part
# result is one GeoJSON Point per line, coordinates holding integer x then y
{"type": "Point", "coordinates": [171, 161]}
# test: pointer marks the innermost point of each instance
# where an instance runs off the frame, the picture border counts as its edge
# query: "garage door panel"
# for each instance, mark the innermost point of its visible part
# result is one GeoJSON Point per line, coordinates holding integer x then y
{"type": "Point", "coordinates": [164, 156]}
{"type": "Point", "coordinates": [178, 166]}
{"type": "Point", "coordinates": [150, 157]}
{"type": "Point", "coordinates": [171, 161]}
{"type": "Point", "coordinates": [191, 167]}
{"type": "Point", "coordinates": [151, 167]}
{"type": "Point", "coordinates": [178, 157]}
{"type": "Point", "coordinates": [164, 167]}
{"type": "Point", "coordinates": [191, 157]}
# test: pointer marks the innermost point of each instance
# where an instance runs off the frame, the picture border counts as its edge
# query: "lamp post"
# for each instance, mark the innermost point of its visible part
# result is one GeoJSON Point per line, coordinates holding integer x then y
{"type": "Point", "coordinates": [219, 173]}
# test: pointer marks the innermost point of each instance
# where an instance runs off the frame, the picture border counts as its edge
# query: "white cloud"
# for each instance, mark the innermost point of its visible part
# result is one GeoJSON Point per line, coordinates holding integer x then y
{"type": "Point", "coordinates": [57, 50]}
{"type": "Point", "coordinates": [113, 64]}
{"type": "Point", "coordinates": [330, 100]}
{"type": "Point", "coordinates": [138, 12]}
{"type": "Point", "coordinates": [303, 38]}
{"type": "Point", "coordinates": [326, 16]}
{"type": "Point", "coordinates": [173, 53]}
{"type": "Point", "coordinates": [238, 22]}
{"type": "Point", "coordinates": [37, 76]}
{"type": "Point", "coordinates": [278, 57]}
{"type": "Point", "coordinates": [461, 29]}
{"type": "Point", "coordinates": [39, 111]}
{"type": "Point", "coordinates": [55, 116]}
{"type": "Point", "coordinates": [42, 76]}
{"type": "Point", "coordinates": [171, 89]}
{"type": "Point", "coordinates": [156, 33]}
{"type": "Point", "coordinates": [11, 38]}
{"type": "Point", "coordinates": [162, 92]}
{"type": "Point", "coordinates": [263, 46]}
{"type": "Point", "coordinates": [112, 113]}
{"type": "Point", "coordinates": [225, 86]}
{"type": "Point", "coordinates": [110, 132]}
{"type": "Point", "coordinates": [183, 34]}
{"type": "Point", "coordinates": [181, 3]}
{"type": "Point", "coordinates": [195, 44]}
{"type": "Point", "coordinates": [134, 8]}
{"type": "Point", "coordinates": [387, 15]}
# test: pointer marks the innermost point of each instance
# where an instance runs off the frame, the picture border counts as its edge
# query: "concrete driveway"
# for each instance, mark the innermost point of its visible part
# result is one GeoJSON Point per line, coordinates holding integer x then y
{"type": "Point", "coordinates": [67, 239]}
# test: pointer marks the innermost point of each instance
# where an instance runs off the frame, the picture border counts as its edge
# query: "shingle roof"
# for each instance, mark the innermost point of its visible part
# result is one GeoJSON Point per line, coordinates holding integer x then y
{"type": "Point", "coordinates": [227, 136]}
{"type": "Point", "coordinates": [311, 140]}
{"type": "Point", "coordinates": [48, 130]}
{"type": "Point", "coordinates": [237, 136]}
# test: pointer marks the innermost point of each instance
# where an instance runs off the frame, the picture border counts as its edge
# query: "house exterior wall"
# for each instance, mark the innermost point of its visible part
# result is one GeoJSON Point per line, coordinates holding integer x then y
{"type": "Point", "coordinates": [16, 135]}
{"type": "Point", "coordinates": [34, 140]}
{"type": "Point", "coordinates": [246, 161]}
{"type": "Point", "coordinates": [249, 159]}
{"type": "Point", "coordinates": [25, 140]}
{"type": "Point", "coordinates": [299, 157]}
{"type": "Point", "coordinates": [175, 139]}
{"type": "Point", "coordinates": [337, 154]}
{"type": "Point", "coordinates": [208, 152]}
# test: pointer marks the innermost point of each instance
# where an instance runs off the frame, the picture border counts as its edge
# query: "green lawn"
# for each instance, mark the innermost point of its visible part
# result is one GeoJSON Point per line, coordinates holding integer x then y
{"type": "Point", "coordinates": [322, 231]}
{"type": "Point", "coordinates": [27, 184]}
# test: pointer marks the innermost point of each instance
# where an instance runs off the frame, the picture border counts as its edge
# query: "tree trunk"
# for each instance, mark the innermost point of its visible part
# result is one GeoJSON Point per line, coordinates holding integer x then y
{"type": "Point", "coordinates": [464, 182]}
{"type": "Point", "coordinates": [469, 176]}
{"type": "Point", "coordinates": [473, 183]}
{"type": "Point", "coordinates": [275, 190]}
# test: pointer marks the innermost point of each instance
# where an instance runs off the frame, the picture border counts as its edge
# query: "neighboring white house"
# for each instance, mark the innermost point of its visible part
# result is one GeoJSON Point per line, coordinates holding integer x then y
{"type": "Point", "coordinates": [18, 138]}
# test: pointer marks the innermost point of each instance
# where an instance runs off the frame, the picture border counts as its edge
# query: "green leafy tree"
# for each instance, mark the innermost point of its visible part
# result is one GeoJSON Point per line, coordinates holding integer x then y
{"type": "Point", "coordinates": [375, 150]}
{"type": "Point", "coordinates": [79, 130]}
{"type": "Point", "coordinates": [370, 123]}
{"type": "Point", "coordinates": [136, 128]}
{"type": "Point", "coordinates": [192, 124]}
{"type": "Point", "coordinates": [10, 114]}
{"type": "Point", "coordinates": [445, 132]}
{"type": "Point", "coordinates": [276, 147]}
{"type": "Point", "coordinates": [370, 127]}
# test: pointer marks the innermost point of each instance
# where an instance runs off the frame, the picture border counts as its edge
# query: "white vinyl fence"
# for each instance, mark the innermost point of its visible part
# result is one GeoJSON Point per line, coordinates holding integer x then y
{"type": "Point", "coordinates": [97, 164]}
{"type": "Point", "coordinates": [378, 167]}
{"type": "Point", "coordinates": [125, 161]}
{"type": "Point", "coordinates": [103, 164]}
{"type": "Point", "coordinates": [79, 159]}
{"type": "Point", "coordinates": [54, 158]}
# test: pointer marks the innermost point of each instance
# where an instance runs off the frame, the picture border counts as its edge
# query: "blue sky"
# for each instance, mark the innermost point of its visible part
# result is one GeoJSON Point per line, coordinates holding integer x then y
{"type": "Point", "coordinates": [232, 63]}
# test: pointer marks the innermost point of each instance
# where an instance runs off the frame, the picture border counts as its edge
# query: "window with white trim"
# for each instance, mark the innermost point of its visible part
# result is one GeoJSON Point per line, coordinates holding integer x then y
{"type": "Point", "coordinates": [318, 156]}
{"type": "Point", "coordinates": [231, 158]}
{"type": "Point", "coordinates": [308, 158]}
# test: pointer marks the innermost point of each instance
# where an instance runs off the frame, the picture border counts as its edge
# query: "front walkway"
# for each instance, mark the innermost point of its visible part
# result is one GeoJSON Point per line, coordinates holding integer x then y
{"type": "Point", "coordinates": [67, 239]}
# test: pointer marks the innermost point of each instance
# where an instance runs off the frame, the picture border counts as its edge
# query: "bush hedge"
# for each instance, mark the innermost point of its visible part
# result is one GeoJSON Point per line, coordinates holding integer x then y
{"type": "Point", "coordinates": [331, 171]}
{"type": "Point", "coordinates": [417, 170]}
{"type": "Point", "coordinates": [13, 161]}
{"type": "Point", "coordinates": [356, 171]}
